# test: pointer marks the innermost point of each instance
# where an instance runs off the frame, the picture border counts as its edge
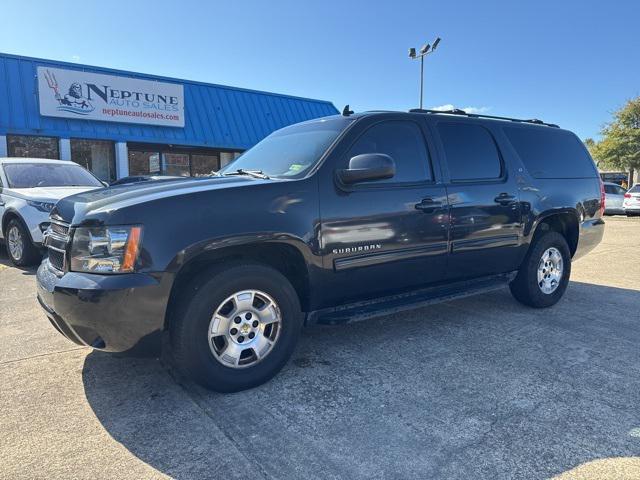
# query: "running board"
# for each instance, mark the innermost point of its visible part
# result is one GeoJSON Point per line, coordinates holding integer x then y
{"type": "Point", "coordinates": [359, 311]}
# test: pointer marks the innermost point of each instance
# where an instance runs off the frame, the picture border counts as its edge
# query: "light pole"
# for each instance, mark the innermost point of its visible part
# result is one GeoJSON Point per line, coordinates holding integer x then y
{"type": "Point", "coordinates": [424, 51]}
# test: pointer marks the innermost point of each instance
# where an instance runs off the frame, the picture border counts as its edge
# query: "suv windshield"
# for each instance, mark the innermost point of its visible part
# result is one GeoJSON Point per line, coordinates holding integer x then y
{"type": "Point", "coordinates": [29, 175]}
{"type": "Point", "coordinates": [291, 151]}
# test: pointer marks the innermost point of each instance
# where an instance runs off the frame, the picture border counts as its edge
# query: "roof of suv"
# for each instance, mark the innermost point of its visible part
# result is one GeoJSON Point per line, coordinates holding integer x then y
{"type": "Point", "coordinates": [459, 114]}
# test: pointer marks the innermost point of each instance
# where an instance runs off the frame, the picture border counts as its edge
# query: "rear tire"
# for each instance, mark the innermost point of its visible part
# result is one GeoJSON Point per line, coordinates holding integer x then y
{"type": "Point", "coordinates": [204, 357]}
{"type": "Point", "coordinates": [534, 285]}
{"type": "Point", "coordinates": [21, 251]}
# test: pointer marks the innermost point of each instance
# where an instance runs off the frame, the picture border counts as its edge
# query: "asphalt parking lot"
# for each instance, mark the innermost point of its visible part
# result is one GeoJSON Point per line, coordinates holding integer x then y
{"type": "Point", "coordinates": [476, 388]}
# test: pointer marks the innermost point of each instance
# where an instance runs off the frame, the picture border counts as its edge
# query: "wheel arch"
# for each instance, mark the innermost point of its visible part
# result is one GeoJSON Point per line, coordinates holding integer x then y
{"type": "Point", "coordinates": [11, 214]}
{"type": "Point", "coordinates": [565, 222]}
{"type": "Point", "coordinates": [284, 257]}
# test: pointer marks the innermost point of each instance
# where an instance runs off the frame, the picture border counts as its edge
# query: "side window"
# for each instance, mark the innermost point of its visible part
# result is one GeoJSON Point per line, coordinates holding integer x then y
{"type": "Point", "coordinates": [549, 152]}
{"type": "Point", "coordinates": [402, 141]}
{"type": "Point", "coordinates": [470, 151]}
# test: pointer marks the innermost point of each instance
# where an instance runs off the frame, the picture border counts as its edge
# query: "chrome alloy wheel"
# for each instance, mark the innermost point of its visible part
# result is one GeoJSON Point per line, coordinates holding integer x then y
{"type": "Point", "coordinates": [15, 243]}
{"type": "Point", "coordinates": [550, 270]}
{"type": "Point", "coordinates": [244, 328]}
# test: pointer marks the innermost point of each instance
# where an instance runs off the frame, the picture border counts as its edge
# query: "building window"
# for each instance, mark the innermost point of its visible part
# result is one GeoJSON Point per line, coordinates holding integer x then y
{"type": "Point", "coordinates": [176, 164]}
{"type": "Point", "coordinates": [97, 156]}
{"type": "Point", "coordinates": [204, 164]}
{"type": "Point", "coordinates": [144, 163]}
{"type": "Point", "coordinates": [175, 161]}
{"type": "Point", "coordinates": [32, 147]}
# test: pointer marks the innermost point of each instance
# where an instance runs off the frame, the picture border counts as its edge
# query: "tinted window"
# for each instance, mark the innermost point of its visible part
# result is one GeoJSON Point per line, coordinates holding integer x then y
{"type": "Point", "coordinates": [402, 141]}
{"type": "Point", "coordinates": [470, 151]}
{"type": "Point", "coordinates": [551, 152]}
{"type": "Point", "coordinates": [28, 175]}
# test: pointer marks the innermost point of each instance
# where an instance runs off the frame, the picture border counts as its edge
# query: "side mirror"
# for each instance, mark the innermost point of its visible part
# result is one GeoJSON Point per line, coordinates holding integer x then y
{"type": "Point", "coordinates": [367, 167]}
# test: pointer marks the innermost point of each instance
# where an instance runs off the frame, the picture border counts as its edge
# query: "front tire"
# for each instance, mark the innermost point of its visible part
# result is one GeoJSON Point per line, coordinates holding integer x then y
{"type": "Point", "coordinates": [544, 274]}
{"type": "Point", "coordinates": [21, 251]}
{"type": "Point", "coordinates": [236, 327]}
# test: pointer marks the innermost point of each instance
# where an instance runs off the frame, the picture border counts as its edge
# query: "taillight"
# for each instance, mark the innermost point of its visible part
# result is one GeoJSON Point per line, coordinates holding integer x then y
{"type": "Point", "coordinates": [602, 197]}
{"type": "Point", "coordinates": [627, 195]}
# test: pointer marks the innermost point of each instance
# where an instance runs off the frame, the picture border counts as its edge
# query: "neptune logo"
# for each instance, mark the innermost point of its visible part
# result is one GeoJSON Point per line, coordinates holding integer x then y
{"type": "Point", "coordinates": [73, 101]}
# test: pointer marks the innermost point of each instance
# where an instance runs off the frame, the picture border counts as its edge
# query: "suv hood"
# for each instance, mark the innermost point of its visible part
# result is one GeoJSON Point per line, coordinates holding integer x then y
{"type": "Point", "coordinates": [75, 208]}
{"type": "Point", "coordinates": [48, 194]}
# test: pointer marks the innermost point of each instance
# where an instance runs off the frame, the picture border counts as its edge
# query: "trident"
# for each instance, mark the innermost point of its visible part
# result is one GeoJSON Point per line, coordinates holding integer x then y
{"type": "Point", "coordinates": [52, 82]}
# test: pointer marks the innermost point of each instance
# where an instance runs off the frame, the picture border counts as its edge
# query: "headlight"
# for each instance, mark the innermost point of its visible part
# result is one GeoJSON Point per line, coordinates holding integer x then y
{"type": "Point", "coordinates": [42, 206]}
{"type": "Point", "coordinates": [105, 249]}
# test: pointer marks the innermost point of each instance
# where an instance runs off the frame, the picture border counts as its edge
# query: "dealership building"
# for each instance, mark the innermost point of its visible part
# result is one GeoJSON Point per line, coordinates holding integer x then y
{"type": "Point", "coordinates": [117, 123]}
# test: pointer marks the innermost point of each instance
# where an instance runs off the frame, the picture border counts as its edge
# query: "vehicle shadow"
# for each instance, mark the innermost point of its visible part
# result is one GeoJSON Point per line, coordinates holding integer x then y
{"type": "Point", "coordinates": [475, 388]}
{"type": "Point", "coordinates": [5, 262]}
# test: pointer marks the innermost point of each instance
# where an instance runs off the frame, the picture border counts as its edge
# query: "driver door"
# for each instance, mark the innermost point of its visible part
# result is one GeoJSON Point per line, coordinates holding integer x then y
{"type": "Point", "coordinates": [384, 236]}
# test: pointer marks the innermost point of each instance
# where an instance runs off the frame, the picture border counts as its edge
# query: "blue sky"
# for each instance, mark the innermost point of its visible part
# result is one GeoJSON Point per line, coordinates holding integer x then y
{"type": "Point", "coordinates": [568, 62]}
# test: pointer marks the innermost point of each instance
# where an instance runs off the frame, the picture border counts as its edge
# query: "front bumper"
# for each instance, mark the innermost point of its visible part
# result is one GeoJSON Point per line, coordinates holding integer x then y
{"type": "Point", "coordinates": [115, 313]}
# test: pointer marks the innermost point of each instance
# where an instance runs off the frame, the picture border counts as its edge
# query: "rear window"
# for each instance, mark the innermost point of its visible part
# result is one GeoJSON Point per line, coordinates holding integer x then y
{"type": "Point", "coordinates": [635, 189]}
{"type": "Point", "coordinates": [470, 151]}
{"type": "Point", "coordinates": [551, 152]}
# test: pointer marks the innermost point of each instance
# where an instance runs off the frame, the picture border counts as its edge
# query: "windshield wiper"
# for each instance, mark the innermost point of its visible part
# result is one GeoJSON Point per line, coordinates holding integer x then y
{"type": "Point", "coordinates": [251, 173]}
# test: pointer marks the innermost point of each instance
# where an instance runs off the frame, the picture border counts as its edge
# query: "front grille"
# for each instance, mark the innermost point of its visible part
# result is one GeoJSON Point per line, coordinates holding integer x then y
{"type": "Point", "coordinates": [56, 259]}
{"type": "Point", "coordinates": [59, 228]}
{"type": "Point", "coordinates": [57, 240]}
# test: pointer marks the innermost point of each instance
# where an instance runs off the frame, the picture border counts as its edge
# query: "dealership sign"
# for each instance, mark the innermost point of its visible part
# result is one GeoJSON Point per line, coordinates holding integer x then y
{"type": "Point", "coordinates": [110, 98]}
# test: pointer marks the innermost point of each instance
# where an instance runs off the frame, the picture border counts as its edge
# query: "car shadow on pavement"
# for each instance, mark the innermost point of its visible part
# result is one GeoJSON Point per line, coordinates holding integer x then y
{"type": "Point", "coordinates": [5, 262]}
{"type": "Point", "coordinates": [475, 388]}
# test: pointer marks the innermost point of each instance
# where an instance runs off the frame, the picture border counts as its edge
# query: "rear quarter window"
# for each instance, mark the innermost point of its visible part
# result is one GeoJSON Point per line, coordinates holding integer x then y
{"type": "Point", "coordinates": [551, 153]}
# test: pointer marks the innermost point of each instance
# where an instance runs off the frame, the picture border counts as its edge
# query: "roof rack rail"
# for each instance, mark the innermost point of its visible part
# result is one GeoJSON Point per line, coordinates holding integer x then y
{"type": "Point", "coordinates": [457, 111]}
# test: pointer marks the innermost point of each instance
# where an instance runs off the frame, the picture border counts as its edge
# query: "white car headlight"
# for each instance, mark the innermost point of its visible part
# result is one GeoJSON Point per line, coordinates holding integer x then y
{"type": "Point", "coordinates": [105, 249]}
{"type": "Point", "coordinates": [42, 206]}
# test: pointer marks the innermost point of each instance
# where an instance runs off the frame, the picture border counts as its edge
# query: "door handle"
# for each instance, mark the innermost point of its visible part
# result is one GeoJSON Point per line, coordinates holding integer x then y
{"type": "Point", "coordinates": [428, 205]}
{"type": "Point", "coordinates": [505, 199]}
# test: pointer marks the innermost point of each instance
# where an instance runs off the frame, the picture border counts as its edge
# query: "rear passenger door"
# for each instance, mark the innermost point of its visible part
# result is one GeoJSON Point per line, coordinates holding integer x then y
{"type": "Point", "coordinates": [483, 199]}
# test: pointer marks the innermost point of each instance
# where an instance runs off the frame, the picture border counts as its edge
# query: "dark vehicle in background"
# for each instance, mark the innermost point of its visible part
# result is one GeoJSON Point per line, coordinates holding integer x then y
{"type": "Point", "coordinates": [330, 220]}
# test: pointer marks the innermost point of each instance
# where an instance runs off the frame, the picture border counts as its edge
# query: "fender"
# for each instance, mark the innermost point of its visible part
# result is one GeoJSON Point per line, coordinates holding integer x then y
{"type": "Point", "coordinates": [213, 245]}
{"type": "Point", "coordinates": [13, 211]}
{"type": "Point", "coordinates": [530, 227]}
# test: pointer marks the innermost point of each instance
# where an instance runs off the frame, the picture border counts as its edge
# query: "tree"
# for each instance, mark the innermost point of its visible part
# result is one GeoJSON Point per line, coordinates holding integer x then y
{"type": "Point", "coordinates": [620, 144]}
{"type": "Point", "coordinates": [591, 144]}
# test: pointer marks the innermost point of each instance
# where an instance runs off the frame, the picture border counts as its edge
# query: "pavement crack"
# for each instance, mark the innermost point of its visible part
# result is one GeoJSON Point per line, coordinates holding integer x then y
{"type": "Point", "coordinates": [193, 397]}
{"type": "Point", "coordinates": [48, 354]}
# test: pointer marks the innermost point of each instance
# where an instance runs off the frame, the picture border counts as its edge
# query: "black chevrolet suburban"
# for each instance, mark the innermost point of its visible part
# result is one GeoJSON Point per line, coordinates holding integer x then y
{"type": "Point", "coordinates": [330, 220]}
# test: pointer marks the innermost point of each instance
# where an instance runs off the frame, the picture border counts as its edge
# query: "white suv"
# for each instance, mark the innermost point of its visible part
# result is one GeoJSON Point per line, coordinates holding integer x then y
{"type": "Point", "coordinates": [29, 189]}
